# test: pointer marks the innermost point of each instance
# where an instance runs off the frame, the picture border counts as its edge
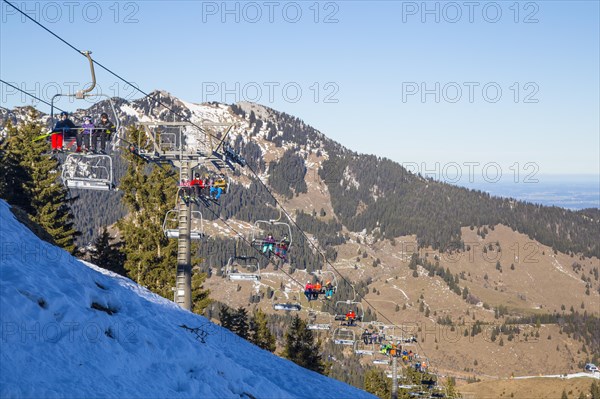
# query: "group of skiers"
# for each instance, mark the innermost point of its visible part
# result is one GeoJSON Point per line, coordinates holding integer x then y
{"type": "Point", "coordinates": [390, 349]}
{"type": "Point", "coordinates": [270, 245]}
{"type": "Point", "coordinates": [85, 136]}
{"type": "Point", "coordinates": [233, 156]}
{"type": "Point", "coordinates": [372, 338]}
{"type": "Point", "coordinates": [395, 350]}
{"type": "Point", "coordinates": [210, 187]}
{"type": "Point", "coordinates": [312, 291]}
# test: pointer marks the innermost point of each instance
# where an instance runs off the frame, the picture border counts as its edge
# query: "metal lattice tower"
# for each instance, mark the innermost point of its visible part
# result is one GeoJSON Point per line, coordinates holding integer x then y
{"type": "Point", "coordinates": [183, 282]}
{"type": "Point", "coordinates": [185, 146]}
{"type": "Point", "coordinates": [395, 377]}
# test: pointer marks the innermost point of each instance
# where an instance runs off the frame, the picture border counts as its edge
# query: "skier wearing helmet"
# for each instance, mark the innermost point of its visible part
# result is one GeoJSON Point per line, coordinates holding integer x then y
{"type": "Point", "coordinates": [61, 129]}
{"type": "Point", "coordinates": [104, 129]}
{"type": "Point", "coordinates": [87, 133]}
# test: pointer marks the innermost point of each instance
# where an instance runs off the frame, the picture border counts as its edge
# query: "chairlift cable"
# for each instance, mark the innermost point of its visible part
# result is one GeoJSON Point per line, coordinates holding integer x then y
{"type": "Point", "coordinates": [29, 94]}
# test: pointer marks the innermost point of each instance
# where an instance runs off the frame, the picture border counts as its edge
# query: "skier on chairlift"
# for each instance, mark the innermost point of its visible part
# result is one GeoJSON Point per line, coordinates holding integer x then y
{"type": "Point", "coordinates": [61, 130]}
{"type": "Point", "coordinates": [106, 129]}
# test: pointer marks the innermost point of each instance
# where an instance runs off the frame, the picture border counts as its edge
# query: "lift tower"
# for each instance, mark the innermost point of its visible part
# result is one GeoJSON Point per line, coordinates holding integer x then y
{"type": "Point", "coordinates": [185, 146]}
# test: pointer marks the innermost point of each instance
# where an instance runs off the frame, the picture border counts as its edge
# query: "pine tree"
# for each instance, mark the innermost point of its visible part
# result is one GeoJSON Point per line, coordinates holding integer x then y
{"type": "Point", "coordinates": [108, 255]}
{"type": "Point", "coordinates": [235, 321]}
{"type": "Point", "coordinates": [377, 383]}
{"type": "Point", "coordinates": [226, 318]}
{"type": "Point", "coordinates": [32, 182]}
{"type": "Point", "coordinates": [240, 322]}
{"type": "Point", "coordinates": [149, 192]}
{"type": "Point", "coordinates": [260, 335]}
{"type": "Point", "coordinates": [200, 296]}
{"type": "Point", "coordinates": [451, 391]}
{"type": "Point", "coordinates": [301, 348]}
{"type": "Point", "coordinates": [13, 175]}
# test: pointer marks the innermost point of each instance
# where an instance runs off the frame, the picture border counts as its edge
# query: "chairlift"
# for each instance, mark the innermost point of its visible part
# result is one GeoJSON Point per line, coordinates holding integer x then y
{"type": "Point", "coordinates": [360, 348]}
{"type": "Point", "coordinates": [351, 305]}
{"type": "Point", "coordinates": [323, 277]}
{"type": "Point", "coordinates": [225, 155]}
{"type": "Point", "coordinates": [269, 244]}
{"type": "Point", "coordinates": [88, 171]}
{"type": "Point", "coordinates": [246, 262]}
{"type": "Point", "coordinates": [344, 336]}
{"type": "Point", "coordinates": [318, 321]}
{"type": "Point", "coordinates": [287, 306]}
{"type": "Point", "coordinates": [171, 225]}
{"type": "Point", "coordinates": [379, 360]}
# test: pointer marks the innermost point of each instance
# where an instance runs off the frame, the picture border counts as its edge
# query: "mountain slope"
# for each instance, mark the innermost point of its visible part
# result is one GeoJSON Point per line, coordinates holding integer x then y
{"type": "Point", "coordinates": [364, 191]}
{"type": "Point", "coordinates": [73, 330]}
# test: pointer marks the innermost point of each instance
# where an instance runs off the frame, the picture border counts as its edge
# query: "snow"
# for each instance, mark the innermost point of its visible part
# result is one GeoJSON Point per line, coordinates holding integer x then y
{"type": "Point", "coordinates": [350, 178]}
{"type": "Point", "coordinates": [566, 376]}
{"type": "Point", "coordinates": [129, 110]}
{"type": "Point", "coordinates": [55, 345]}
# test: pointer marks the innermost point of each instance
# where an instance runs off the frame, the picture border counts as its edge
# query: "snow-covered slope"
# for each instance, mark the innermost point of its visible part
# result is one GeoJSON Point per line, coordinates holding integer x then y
{"type": "Point", "coordinates": [69, 329]}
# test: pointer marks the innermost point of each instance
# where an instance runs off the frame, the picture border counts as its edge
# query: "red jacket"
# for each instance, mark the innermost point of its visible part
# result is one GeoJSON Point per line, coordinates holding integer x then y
{"type": "Point", "coordinates": [197, 182]}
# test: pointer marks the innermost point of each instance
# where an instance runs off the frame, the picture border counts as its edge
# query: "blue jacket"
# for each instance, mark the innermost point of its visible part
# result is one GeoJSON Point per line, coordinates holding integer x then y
{"type": "Point", "coordinates": [65, 127]}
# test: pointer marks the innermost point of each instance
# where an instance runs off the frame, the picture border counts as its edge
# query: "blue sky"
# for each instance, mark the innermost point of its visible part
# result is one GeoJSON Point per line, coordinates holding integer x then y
{"type": "Point", "coordinates": [433, 85]}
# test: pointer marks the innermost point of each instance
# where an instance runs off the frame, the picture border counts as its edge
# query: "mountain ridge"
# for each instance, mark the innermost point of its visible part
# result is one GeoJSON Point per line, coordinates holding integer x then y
{"type": "Point", "coordinates": [391, 198]}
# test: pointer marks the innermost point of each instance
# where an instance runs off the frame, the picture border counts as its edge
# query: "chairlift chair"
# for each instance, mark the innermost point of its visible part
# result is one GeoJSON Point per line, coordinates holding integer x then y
{"type": "Point", "coordinates": [379, 360]}
{"type": "Point", "coordinates": [248, 262]}
{"type": "Point", "coordinates": [171, 225]}
{"type": "Point", "coordinates": [351, 304]}
{"type": "Point", "coordinates": [284, 305]}
{"type": "Point", "coordinates": [224, 155]}
{"type": "Point", "coordinates": [88, 171]}
{"type": "Point", "coordinates": [323, 277]}
{"type": "Point", "coordinates": [271, 247]}
{"type": "Point", "coordinates": [320, 321]}
{"type": "Point", "coordinates": [360, 348]}
{"type": "Point", "coordinates": [344, 336]}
